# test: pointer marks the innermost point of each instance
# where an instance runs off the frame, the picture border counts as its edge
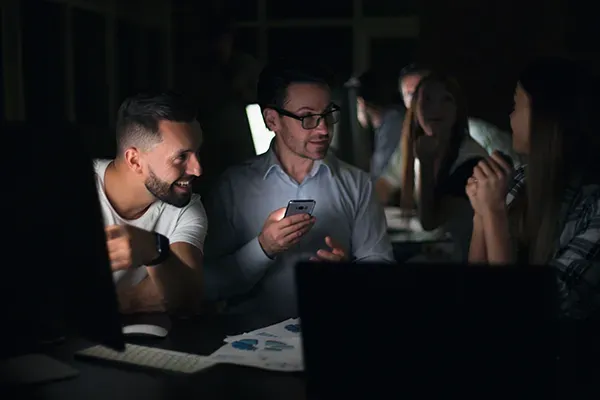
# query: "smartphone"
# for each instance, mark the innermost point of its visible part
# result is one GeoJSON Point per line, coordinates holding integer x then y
{"type": "Point", "coordinates": [296, 207]}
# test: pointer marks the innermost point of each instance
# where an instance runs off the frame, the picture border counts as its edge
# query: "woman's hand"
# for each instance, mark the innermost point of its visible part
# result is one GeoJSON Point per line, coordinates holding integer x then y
{"type": "Point", "coordinates": [489, 184]}
{"type": "Point", "coordinates": [471, 190]}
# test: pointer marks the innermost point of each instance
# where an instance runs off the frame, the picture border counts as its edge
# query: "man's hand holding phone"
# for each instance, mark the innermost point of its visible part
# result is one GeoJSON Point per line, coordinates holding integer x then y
{"type": "Point", "coordinates": [279, 233]}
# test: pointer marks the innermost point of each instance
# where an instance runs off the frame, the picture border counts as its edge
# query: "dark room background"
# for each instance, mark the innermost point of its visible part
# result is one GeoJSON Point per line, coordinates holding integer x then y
{"type": "Point", "coordinates": [75, 60]}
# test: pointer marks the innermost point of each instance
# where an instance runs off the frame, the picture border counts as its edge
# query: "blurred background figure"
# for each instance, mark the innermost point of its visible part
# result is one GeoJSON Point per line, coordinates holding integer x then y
{"type": "Point", "coordinates": [408, 80]}
{"type": "Point", "coordinates": [381, 115]}
{"type": "Point", "coordinates": [434, 160]}
{"type": "Point", "coordinates": [486, 134]}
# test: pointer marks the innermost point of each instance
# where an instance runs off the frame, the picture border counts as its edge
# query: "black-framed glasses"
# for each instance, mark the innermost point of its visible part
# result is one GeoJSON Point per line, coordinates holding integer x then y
{"type": "Point", "coordinates": [311, 121]}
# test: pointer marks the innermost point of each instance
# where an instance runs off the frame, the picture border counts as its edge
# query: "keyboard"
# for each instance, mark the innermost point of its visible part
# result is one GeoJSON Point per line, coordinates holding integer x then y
{"type": "Point", "coordinates": [149, 357]}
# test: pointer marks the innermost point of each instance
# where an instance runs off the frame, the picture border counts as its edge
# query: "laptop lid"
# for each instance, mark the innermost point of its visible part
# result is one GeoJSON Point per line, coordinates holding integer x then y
{"type": "Point", "coordinates": [426, 329]}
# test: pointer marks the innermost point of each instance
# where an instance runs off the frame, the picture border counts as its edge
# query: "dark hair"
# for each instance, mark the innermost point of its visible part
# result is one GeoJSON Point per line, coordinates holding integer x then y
{"type": "Point", "coordinates": [275, 78]}
{"type": "Point", "coordinates": [378, 88]}
{"type": "Point", "coordinates": [412, 130]}
{"type": "Point", "coordinates": [139, 116]}
{"type": "Point", "coordinates": [413, 69]}
{"type": "Point", "coordinates": [561, 147]}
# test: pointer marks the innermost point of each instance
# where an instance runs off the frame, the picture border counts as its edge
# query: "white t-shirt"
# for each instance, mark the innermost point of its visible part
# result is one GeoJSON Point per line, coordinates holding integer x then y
{"type": "Point", "coordinates": [187, 224]}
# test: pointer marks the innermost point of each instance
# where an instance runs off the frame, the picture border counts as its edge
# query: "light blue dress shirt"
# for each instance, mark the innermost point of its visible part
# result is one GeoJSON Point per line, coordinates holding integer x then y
{"type": "Point", "coordinates": [237, 269]}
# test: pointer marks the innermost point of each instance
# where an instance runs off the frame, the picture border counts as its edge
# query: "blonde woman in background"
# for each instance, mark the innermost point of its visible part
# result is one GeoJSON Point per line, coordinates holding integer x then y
{"type": "Point", "coordinates": [435, 159]}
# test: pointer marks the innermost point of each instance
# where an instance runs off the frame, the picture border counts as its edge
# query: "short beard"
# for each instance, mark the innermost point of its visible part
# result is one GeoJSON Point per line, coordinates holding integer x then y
{"type": "Point", "coordinates": [164, 191]}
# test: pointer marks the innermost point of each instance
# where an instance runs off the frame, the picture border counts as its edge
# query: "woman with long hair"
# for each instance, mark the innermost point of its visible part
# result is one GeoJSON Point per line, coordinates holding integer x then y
{"type": "Point", "coordinates": [436, 154]}
{"type": "Point", "coordinates": [546, 212]}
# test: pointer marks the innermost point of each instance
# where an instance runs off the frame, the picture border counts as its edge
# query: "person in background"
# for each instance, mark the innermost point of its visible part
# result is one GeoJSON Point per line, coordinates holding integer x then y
{"type": "Point", "coordinates": [409, 79]}
{"type": "Point", "coordinates": [547, 211]}
{"type": "Point", "coordinates": [436, 158]}
{"type": "Point", "coordinates": [252, 248]}
{"type": "Point", "coordinates": [155, 226]}
{"type": "Point", "coordinates": [487, 135]}
{"type": "Point", "coordinates": [376, 110]}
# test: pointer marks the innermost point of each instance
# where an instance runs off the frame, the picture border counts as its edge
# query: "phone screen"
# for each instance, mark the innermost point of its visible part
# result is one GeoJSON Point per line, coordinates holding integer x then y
{"type": "Point", "coordinates": [296, 207]}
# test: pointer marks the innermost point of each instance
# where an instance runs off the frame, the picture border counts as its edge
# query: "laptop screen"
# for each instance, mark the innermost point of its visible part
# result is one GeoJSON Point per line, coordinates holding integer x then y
{"type": "Point", "coordinates": [370, 328]}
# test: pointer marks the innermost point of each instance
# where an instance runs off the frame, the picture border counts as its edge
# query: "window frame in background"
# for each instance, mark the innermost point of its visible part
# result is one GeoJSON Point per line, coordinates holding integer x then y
{"type": "Point", "coordinates": [363, 28]}
{"type": "Point", "coordinates": [110, 10]}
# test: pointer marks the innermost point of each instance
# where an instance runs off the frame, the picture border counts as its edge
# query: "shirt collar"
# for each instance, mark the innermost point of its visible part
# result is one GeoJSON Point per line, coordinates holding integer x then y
{"type": "Point", "coordinates": [271, 162]}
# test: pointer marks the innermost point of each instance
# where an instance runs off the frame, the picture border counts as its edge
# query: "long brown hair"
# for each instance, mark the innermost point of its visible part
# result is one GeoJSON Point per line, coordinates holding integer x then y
{"type": "Point", "coordinates": [559, 149]}
{"type": "Point", "coordinates": [412, 130]}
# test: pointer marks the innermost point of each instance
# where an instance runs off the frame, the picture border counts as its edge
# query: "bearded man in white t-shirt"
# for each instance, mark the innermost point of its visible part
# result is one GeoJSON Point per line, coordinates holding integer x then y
{"type": "Point", "coordinates": [155, 226]}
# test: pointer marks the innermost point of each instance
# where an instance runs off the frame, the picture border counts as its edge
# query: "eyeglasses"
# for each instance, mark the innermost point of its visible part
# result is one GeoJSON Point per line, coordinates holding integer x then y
{"type": "Point", "coordinates": [311, 121]}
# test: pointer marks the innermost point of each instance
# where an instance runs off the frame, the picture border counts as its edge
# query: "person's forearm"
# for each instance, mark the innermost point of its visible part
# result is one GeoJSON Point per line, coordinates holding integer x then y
{"type": "Point", "coordinates": [477, 248]}
{"type": "Point", "coordinates": [428, 214]}
{"type": "Point", "coordinates": [143, 297]}
{"type": "Point", "coordinates": [497, 237]}
{"type": "Point", "coordinates": [178, 284]}
{"type": "Point", "coordinates": [178, 279]}
{"type": "Point", "coordinates": [236, 273]}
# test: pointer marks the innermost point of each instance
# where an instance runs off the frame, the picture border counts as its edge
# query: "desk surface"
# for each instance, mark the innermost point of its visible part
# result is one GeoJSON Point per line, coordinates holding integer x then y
{"type": "Point", "coordinates": [406, 229]}
{"type": "Point", "coordinates": [202, 336]}
{"type": "Point", "coordinates": [423, 237]}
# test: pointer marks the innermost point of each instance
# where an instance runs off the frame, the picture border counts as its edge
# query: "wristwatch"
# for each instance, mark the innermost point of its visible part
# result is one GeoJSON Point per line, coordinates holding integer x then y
{"type": "Point", "coordinates": [163, 249]}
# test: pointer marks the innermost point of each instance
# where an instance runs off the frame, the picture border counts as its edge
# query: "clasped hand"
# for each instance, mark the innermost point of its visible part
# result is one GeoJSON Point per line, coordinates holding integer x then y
{"type": "Point", "coordinates": [127, 246]}
{"type": "Point", "coordinates": [488, 187]}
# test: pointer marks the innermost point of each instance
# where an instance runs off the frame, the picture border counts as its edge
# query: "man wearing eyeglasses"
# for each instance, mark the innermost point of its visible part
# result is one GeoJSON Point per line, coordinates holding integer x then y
{"type": "Point", "coordinates": [252, 248]}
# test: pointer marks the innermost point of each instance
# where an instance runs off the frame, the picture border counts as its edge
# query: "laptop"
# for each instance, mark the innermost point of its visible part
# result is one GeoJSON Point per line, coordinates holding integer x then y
{"type": "Point", "coordinates": [417, 331]}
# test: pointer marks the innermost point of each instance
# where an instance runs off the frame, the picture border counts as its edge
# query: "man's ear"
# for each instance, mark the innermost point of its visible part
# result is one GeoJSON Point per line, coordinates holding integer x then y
{"type": "Point", "coordinates": [272, 120]}
{"type": "Point", "coordinates": [133, 160]}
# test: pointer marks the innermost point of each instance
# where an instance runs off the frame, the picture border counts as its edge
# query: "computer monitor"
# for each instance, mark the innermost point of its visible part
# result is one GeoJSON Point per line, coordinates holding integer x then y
{"type": "Point", "coordinates": [261, 135]}
{"type": "Point", "coordinates": [57, 279]}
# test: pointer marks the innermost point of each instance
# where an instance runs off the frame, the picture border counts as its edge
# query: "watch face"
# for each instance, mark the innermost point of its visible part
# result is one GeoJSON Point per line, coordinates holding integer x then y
{"type": "Point", "coordinates": [164, 244]}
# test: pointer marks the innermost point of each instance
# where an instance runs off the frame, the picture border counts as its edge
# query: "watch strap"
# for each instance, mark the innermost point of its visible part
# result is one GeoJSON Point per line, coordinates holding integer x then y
{"type": "Point", "coordinates": [163, 249]}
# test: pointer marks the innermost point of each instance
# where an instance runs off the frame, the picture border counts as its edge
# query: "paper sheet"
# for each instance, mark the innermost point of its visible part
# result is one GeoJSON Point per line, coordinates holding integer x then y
{"type": "Point", "coordinates": [399, 220]}
{"type": "Point", "coordinates": [276, 348]}
{"type": "Point", "coordinates": [256, 351]}
{"type": "Point", "coordinates": [286, 329]}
